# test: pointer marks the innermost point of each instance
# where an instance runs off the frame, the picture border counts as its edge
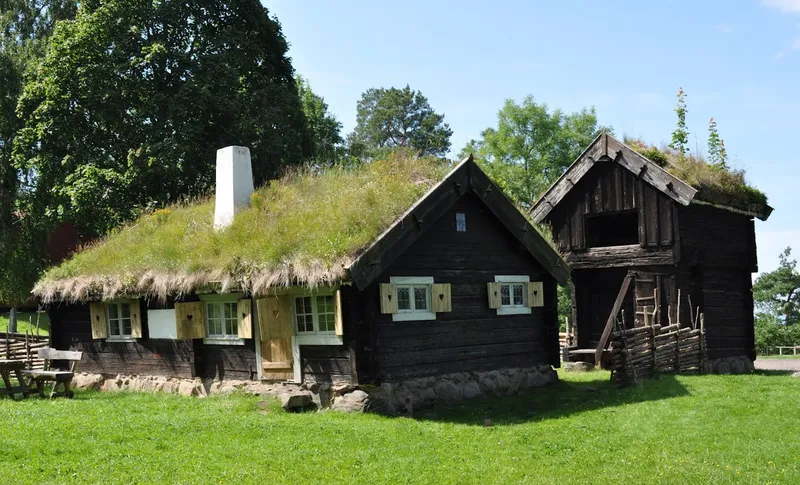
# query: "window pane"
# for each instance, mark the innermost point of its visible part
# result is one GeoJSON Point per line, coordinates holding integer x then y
{"type": "Point", "coordinates": [211, 311]}
{"type": "Point", "coordinates": [126, 326]}
{"type": "Point", "coordinates": [112, 311]}
{"type": "Point", "coordinates": [518, 295]}
{"type": "Point", "coordinates": [230, 310]}
{"type": "Point", "coordinates": [325, 304]}
{"type": "Point", "coordinates": [230, 326]}
{"type": "Point", "coordinates": [403, 299]}
{"type": "Point", "coordinates": [461, 222]}
{"type": "Point", "coordinates": [126, 310]}
{"type": "Point", "coordinates": [505, 295]}
{"type": "Point", "coordinates": [326, 323]}
{"type": "Point", "coordinates": [114, 324]}
{"type": "Point", "coordinates": [420, 298]}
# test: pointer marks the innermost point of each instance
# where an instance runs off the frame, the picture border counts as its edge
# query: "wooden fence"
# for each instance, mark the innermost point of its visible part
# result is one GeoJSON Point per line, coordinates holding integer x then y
{"type": "Point", "coordinates": [21, 346]}
{"type": "Point", "coordinates": [640, 352]}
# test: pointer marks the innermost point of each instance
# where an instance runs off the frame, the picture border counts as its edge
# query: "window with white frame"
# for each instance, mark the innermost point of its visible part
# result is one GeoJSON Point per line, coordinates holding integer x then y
{"type": "Point", "coordinates": [119, 321]}
{"type": "Point", "coordinates": [221, 320]}
{"type": "Point", "coordinates": [513, 294]}
{"type": "Point", "coordinates": [413, 298]}
{"type": "Point", "coordinates": [315, 315]}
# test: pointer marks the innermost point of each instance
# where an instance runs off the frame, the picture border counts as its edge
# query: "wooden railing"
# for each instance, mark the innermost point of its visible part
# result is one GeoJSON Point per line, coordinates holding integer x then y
{"type": "Point", "coordinates": [21, 346]}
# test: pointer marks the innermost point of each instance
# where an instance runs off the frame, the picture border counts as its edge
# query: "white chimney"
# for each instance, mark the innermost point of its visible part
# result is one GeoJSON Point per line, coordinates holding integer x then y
{"type": "Point", "coordinates": [234, 184]}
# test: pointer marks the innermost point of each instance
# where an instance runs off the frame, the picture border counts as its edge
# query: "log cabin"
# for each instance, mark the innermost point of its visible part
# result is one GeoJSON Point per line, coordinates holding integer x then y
{"type": "Point", "coordinates": [394, 270]}
{"type": "Point", "coordinates": [615, 211]}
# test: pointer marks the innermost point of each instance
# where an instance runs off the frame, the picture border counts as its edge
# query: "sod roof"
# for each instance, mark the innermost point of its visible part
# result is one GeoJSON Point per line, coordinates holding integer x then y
{"type": "Point", "coordinates": [308, 228]}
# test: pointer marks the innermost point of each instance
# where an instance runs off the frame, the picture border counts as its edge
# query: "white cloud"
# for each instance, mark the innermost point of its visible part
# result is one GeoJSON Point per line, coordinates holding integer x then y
{"type": "Point", "coordinates": [788, 6]}
{"type": "Point", "coordinates": [778, 56]}
{"type": "Point", "coordinates": [724, 28]}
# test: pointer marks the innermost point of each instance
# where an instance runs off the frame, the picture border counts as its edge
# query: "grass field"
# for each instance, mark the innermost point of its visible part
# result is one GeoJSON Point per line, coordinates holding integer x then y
{"type": "Point", "coordinates": [685, 429]}
{"type": "Point", "coordinates": [26, 321]}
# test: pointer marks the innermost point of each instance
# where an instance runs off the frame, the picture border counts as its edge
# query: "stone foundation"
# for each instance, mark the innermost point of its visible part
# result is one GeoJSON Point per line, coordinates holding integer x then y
{"type": "Point", "coordinates": [740, 364]}
{"type": "Point", "coordinates": [403, 397]}
{"type": "Point", "coordinates": [388, 398]}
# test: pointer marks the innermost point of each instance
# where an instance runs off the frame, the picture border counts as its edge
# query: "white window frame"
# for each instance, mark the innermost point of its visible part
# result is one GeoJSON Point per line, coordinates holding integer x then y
{"type": "Point", "coordinates": [121, 337]}
{"type": "Point", "coordinates": [413, 314]}
{"type": "Point", "coordinates": [315, 337]}
{"type": "Point", "coordinates": [508, 280]}
{"type": "Point", "coordinates": [227, 339]}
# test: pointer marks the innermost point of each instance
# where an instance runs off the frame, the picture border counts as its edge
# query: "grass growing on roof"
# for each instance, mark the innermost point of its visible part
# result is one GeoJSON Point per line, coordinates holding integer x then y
{"type": "Point", "coordinates": [305, 225]}
{"type": "Point", "coordinates": [715, 184]}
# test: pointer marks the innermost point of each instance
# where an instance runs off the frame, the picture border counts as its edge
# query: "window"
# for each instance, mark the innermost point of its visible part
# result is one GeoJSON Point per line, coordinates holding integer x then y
{"type": "Point", "coordinates": [221, 320]}
{"type": "Point", "coordinates": [413, 298]}
{"type": "Point", "coordinates": [119, 321]}
{"type": "Point", "coordinates": [315, 315]}
{"type": "Point", "coordinates": [461, 222]}
{"type": "Point", "coordinates": [616, 229]}
{"type": "Point", "coordinates": [513, 294]}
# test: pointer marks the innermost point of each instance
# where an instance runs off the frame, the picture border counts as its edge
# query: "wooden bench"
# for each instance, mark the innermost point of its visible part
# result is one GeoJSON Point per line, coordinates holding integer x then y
{"type": "Point", "coordinates": [61, 378]}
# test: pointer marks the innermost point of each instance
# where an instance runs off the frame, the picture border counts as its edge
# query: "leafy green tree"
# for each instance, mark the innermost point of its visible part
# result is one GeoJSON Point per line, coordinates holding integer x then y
{"type": "Point", "coordinates": [680, 137]}
{"type": "Point", "coordinates": [716, 146]}
{"type": "Point", "coordinates": [398, 118]}
{"type": "Point", "coordinates": [25, 27]}
{"type": "Point", "coordinates": [326, 137]}
{"type": "Point", "coordinates": [132, 100]}
{"type": "Point", "coordinates": [777, 293]}
{"type": "Point", "coordinates": [531, 146]}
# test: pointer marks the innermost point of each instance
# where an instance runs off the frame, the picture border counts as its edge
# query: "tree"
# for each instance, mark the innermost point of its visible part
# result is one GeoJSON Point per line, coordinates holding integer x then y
{"type": "Point", "coordinates": [394, 118]}
{"type": "Point", "coordinates": [325, 129]}
{"type": "Point", "coordinates": [717, 154]}
{"type": "Point", "coordinates": [132, 100]}
{"type": "Point", "coordinates": [531, 147]}
{"type": "Point", "coordinates": [25, 27]}
{"type": "Point", "coordinates": [777, 293]}
{"type": "Point", "coordinates": [680, 137]}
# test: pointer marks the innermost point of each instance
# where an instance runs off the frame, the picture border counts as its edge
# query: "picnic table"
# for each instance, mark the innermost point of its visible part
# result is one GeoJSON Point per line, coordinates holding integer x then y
{"type": "Point", "coordinates": [6, 368]}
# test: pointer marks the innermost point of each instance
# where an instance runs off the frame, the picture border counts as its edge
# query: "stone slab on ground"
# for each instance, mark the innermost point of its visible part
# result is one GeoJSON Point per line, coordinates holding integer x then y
{"type": "Point", "coordinates": [778, 364]}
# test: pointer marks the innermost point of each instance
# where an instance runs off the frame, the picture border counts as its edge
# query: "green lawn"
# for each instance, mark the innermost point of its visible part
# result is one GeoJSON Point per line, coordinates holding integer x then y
{"type": "Point", "coordinates": [26, 321]}
{"type": "Point", "coordinates": [686, 429]}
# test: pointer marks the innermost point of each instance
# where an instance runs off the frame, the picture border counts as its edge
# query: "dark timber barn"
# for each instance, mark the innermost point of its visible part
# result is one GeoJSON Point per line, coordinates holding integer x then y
{"type": "Point", "coordinates": [456, 282]}
{"type": "Point", "coordinates": [615, 211]}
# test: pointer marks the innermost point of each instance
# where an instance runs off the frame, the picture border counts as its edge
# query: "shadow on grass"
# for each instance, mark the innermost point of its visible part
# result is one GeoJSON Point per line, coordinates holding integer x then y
{"type": "Point", "coordinates": [588, 392]}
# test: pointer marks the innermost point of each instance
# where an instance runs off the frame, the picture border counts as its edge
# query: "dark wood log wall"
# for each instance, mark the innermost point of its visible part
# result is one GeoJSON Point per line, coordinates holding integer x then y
{"type": "Point", "coordinates": [472, 337]}
{"type": "Point", "coordinates": [609, 188]}
{"type": "Point", "coordinates": [71, 329]}
{"type": "Point", "coordinates": [719, 257]}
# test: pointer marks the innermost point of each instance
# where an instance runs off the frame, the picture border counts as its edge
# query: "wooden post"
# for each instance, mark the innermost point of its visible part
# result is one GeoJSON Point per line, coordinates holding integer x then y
{"type": "Point", "coordinates": [623, 291]}
{"type": "Point", "coordinates": [702, 343]}
{"type": "Point", "coordinates": [653, 342]}
{"type": "Point", "coordinates": [678, 314]}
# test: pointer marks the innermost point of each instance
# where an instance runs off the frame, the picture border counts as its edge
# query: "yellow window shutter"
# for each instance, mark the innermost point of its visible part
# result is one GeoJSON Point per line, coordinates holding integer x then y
{"type": "Point", "coordinates": [388, 298]}
{"type": "Point", "coordinates": [190, 320]}
{"type": "Point", "coordinates": [494, 294]}
{"type": "Point", "coordinates": [440, 297]}
{"type": "Point", "coordinates": [244, 313]}
{"type": "Point", "coordinates": [275, 324]}
{"type": "Point", "coordinates": [535, 294]}
{"type": "Point", "coordinates": [136, 318]}
{"type": "Point", "coordinates": [99, 318]}
{"type": "Point", "coordinates": [338, 315]}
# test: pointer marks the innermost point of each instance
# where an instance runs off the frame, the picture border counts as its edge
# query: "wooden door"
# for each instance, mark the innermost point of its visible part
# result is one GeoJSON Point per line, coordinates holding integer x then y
{"type": "Point", "coordinates": [275, 325]}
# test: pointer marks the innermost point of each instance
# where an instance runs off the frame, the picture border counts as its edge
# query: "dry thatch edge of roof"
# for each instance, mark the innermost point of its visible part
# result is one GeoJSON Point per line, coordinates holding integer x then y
{"type": "Point", "coordinates": [160, 286]}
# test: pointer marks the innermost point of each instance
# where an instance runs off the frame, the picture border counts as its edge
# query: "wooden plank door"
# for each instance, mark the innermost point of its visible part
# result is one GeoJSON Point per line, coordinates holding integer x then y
{"type": "Point", "coordinates": [276, 330]}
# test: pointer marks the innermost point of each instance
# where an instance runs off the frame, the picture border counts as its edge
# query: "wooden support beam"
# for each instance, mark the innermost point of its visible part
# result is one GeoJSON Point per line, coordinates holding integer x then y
{"type": "Point", "coordinates": [623, 291]}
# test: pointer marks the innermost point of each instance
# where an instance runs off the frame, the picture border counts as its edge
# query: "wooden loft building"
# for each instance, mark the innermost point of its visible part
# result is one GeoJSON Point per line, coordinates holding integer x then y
{"type": "Point", "coordinates": [615, 211]}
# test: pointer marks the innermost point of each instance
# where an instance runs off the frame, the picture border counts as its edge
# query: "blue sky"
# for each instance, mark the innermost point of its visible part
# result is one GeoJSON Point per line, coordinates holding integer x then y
{"type": "Point", "coordinates": [739, 61]}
